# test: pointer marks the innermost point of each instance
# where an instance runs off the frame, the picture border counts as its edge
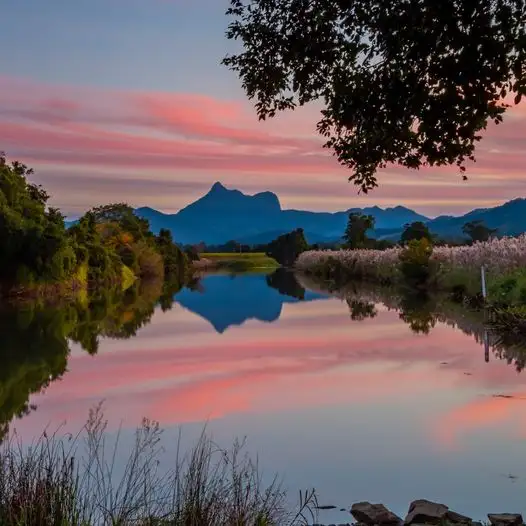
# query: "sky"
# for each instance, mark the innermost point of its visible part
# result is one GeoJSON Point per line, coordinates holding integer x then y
{"type": "Point", "coordinates": [126, 100]}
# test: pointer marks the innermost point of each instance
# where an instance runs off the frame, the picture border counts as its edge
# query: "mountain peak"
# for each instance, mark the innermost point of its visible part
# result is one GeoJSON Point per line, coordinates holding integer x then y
{"type": "Point", "coordinates": [217, 187]}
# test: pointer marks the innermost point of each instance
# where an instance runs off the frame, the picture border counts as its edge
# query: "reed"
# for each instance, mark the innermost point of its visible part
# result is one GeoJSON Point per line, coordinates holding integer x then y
{"type": "Point", "coordinates": [73, 481]}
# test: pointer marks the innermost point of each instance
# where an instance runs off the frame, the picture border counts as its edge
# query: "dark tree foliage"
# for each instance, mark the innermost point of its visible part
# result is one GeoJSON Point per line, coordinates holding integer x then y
{"type": "Point", "coordinates": [192, 253]}
{"type": "Point", "coordinates": [175, 261]}
{"type": "Point", "coordinates": [38, 250]}
{"type": "Point", "coordinates": [287, 247]}
{"type": "Point", "coordinates": [124, 215]}
{"type": "Point", "coordinates": [417, 268]}
{"type": "Point", "coordinates": [416, 230]}
{"type": "Point", "coordinates": [103, 264]}
{"type": "Point", "coordinates": [380, 244]}
{"type": "Point", "coordinates": [33, 238]}
{"type": "Point", "coordinates": [229, 247]}
{"type": "Point", "coordinates": [478, 231]}
{"type": "Point", "coordinates": [412, 82]}
{"type": "Point", "coordinates": [355, 235]}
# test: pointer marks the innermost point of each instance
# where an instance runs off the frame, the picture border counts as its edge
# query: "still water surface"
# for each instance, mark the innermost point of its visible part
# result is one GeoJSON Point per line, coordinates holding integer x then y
{"type": "Point", "coordinates": [360, 395]}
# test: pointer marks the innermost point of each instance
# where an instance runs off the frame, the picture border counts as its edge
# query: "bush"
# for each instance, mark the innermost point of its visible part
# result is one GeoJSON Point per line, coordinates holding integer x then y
{"type": "Point", "coordinates": [509, 289]}
{"type": "Point", "coordinates": [416, 265]}
{"type": "Point", "coordinates": [286, 248]}
{"type": "Point", "coordinates": [149, 262]}
{"type": "Point", "coordinates": [175, 260]}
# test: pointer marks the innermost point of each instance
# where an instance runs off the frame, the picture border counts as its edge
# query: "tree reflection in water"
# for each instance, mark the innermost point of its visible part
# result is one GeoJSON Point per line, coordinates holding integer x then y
{"type": "Point", "coordinates": [361, 310]}
{"type": "Point", "coordinates": [36, 338]}
{"type": "Point", "coordinates": [423, 311]}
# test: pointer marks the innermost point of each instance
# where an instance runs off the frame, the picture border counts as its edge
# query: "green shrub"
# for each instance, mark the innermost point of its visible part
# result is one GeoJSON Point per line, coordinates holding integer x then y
{"type": "Point", "coordinates": [415, 263]}
{"type": "Point", "coordinates": [509, 289]}
{"type": "Point", "coordinates": [150, 263]}
{"type": "Point", "coordinates": [462, 283]}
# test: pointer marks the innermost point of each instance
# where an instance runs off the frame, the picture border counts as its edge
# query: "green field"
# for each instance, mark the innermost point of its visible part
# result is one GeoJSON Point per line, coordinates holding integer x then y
{"type": "Point", "coordinates": [240, 261]}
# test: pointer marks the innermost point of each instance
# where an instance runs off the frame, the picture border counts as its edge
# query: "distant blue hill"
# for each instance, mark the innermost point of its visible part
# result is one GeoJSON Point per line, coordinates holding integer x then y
{"type": "Point", "coordinates": [509, 219]}
{"type": "Point", "coordinates": [222, 215]}
{"type": "Point", "coordinates": [226, 301]}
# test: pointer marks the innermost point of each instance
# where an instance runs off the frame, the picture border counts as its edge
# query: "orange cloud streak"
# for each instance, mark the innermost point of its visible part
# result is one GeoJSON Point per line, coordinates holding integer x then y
{"type": "Point", "coordinates": [507, 412]}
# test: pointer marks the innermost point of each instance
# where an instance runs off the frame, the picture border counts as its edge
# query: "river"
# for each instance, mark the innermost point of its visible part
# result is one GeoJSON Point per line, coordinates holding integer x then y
{"type": "Point", "coordinates": [357, 393]}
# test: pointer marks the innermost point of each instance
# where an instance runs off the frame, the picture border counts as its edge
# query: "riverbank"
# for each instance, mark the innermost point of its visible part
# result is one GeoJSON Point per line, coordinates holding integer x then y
{"type": "Point", "coordinates": [421, 512]}
{"type": "Point", "coordinates": [452, 270]}
{"type": "Point", "coordinates": [76, 288]}
{"type": "Point", "coordinates": [235, 262]}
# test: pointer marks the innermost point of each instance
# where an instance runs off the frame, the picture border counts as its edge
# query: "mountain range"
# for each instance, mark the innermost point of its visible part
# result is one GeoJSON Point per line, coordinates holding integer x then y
{"type": "Point", "coordinates": [222, 215]}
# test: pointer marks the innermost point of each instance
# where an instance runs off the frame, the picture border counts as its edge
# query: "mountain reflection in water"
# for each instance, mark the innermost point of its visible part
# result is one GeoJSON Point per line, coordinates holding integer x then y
{"type": "Point", "coordinates": [36, 340]}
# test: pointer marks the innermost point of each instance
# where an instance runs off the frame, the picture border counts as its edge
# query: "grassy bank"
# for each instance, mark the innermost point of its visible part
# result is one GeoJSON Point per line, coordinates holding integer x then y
{"type": "Point", "coordinates": [73, 481]}
{"type": "Point", "coordinates": [454, 270]}
{"type": "Point", "coordinates": [76, 288]}
{"type": "Point", "coordinates": [236, 262]}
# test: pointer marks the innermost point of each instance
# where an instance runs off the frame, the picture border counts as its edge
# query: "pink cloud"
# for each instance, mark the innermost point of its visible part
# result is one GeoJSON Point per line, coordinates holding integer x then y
{"type": "Point", "coordinates": [61, 127]}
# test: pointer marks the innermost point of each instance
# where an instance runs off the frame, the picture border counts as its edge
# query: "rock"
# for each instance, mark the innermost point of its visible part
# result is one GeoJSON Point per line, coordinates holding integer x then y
{"type": "Point", "coordinates": [426, 512]}
{"type": "Point", "coordinates": [505, 519]}
{"type": "Point", "coordinates": [456, 518]}
{"type": "Point", "coordinates": [373, 514]}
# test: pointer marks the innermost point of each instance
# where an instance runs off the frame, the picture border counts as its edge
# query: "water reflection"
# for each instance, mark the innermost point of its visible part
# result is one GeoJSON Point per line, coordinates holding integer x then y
{"type": "Point", "coordinates": [361, 310]}
{"type": "Point", "coordinates": [418, 310]}
{"type": "Point", "coordinates": [36, 339]}
{"type": "Point", "coordinates": [228, 301]}
{"type": "Point", "coordinates": [346, 390]}
{"type": "Point", "coordinates": [422, 311]}
{"type": "Point", "coordinates": [33, 353]}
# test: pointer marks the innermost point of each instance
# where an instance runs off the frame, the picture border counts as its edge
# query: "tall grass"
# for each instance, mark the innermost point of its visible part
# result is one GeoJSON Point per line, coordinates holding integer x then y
{"type": "Point", "coordinates": [236, 262]}
{"type": "Point", "coordinates": [499, 256]}
{"type": "Point", "coordinates": [74, 481]}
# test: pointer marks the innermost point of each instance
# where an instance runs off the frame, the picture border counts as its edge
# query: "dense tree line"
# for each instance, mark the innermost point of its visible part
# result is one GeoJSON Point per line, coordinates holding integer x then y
{"type": "Point", "coordinates": [108, 245]}
{"type": "Point", "coordinates": [287, 247]}
{"type": "Point", "coordinates": [359, 225]}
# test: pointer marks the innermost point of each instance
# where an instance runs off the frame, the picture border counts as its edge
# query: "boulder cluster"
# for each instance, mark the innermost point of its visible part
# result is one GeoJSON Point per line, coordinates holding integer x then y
{"type": "Point", "coordinates": [422, 513]}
